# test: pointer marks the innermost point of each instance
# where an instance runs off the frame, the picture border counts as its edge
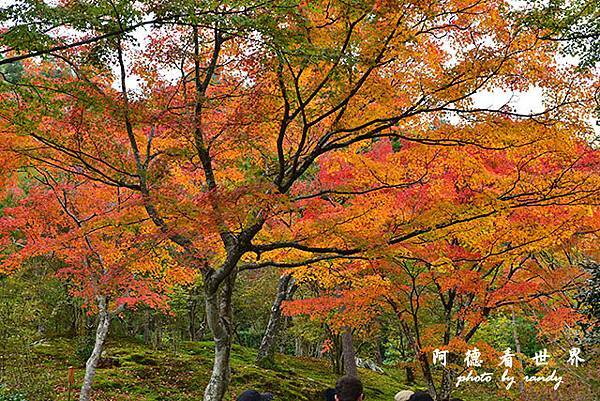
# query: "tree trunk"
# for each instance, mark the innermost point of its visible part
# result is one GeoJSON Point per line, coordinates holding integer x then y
{"type": "Point", "coordinates": [518, 352]}
{"type": "Point", "coordinates": [147, 331]}
{"type": "Point", "coordinates": [201, 330]}
{"type": "Point", "coordinates": [337, 355]}
{"type": "Point", "coordinates": [423, 361]}
{"type": "Point", "coordinates": [379, 354]}
{"type": "Point", "coordinates": [192, 321]}
{"type": "Point", "coordinates": [157, 337]}
{"type": "Point", "coordinates": [219, 313]}
{"type": "Point", "coordinates": [445, 390]}
{"type": "Point", "coordinates": [410, 374]}
{"type": "Point", "coordinates": [266, 352]}
{"type": "Point", "coordinates": [408, 369]}
{"type": "Point", "coordinates": [193, 313]}
{"type": "Point", "coordinates": [349, 354]}
{"type": "Point", "coordinates": [92, 362]}
{"type": "Point", "coordinates": [425, 368]}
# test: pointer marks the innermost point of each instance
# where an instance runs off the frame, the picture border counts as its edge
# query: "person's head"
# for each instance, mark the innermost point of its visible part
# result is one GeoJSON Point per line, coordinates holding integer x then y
{"type": "Point", "coordinates": [420, 396]}
{"type": "Point", "coordinates": [403, 395]}
{"type": "Point", "coordinates": [329, 394]}
{"type": "Point", "coordinates": [253, 395]}
{"type": "Point", "coordinates": [349, 388]}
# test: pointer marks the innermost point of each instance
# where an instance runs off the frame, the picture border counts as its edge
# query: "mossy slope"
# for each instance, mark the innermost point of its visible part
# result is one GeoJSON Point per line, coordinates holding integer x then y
{"type": "Point", "coordinates": [143, 374]}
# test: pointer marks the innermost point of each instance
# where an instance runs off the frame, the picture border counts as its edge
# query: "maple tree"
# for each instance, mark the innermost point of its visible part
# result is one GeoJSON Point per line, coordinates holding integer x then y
{"type": "Point", "coordinates": [285, 291]}
{"type": "Point", "coordinates": [71, 221]}
{"type": "Point", "coordinates": [240, 104]}
{"type": "Point", "coordinates": [486, 233]}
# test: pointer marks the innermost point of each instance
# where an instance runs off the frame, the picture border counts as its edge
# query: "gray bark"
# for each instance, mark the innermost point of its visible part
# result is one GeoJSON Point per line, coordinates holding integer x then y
{"type": "Point", "coordinates": [266, 352]}
{"type": "Point", "coordinates": [349, 353]}
{"type": "Point", "coordinates": [92, 362]}
{"type": "Point", "coordinates": [219, 314]}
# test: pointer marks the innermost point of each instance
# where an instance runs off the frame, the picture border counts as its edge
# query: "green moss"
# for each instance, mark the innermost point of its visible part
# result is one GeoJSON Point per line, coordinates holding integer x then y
{"type": "Point", "coordinates": [142, 359]}
{"type": "Point", "coordinates": [157, 375]}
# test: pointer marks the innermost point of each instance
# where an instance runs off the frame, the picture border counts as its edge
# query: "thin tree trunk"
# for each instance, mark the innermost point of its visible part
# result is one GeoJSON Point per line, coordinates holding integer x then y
{"type": "Point", "coordinates": [445, 386]}
{"type": "Point", "coordinates": [445, 390]}
{"type": "Point", "coordinates": [92, 362]}
{"type": "Point", "coordinates": [379, 354]}
{"type": "Point", "coordinates": [337, 354]}
{"type": "Point", "coordinates": [518, 351]}
{"type": "Point", "coordinates": [349, 354]}
{"type": "Point", "coordinates": [425, 368]}
{"type": "Point", "coordinates": [448, 379]}
{"type": "Point", "coordinates": [423, 361]}
{"type": "Point", "coordinates": [201, 330]}
{"type": "Point", "coordinates": [146, 327]}
{"type": "Point", "coordinates": [266, 352]}
{"type": "Point", "coordinates": [192, 307]}
{"type": "Point", "coordinates": [410, 373]}
{"type": "Point", "coordinates": [219, 313]}
{"type": "Point", "coordinates": [157, 338]}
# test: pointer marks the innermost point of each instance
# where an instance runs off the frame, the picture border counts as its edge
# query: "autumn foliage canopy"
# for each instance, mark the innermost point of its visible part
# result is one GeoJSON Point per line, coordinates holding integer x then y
{"type": "Point", "coordinates": [343, 142]}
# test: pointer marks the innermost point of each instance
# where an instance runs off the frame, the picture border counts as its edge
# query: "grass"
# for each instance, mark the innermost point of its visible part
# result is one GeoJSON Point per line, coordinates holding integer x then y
{"type": "Point", "coordinates": [144, 374]}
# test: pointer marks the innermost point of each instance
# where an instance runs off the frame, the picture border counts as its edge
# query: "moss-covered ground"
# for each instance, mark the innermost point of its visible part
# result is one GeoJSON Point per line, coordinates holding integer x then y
{"type": "Point", "coordinates": [144, 374]}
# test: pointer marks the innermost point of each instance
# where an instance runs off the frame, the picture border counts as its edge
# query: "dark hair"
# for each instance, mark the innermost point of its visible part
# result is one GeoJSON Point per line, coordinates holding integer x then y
{"type": "Point", "coordinates": [329, 394]}
{"type": "Point", "coordinates": [420, 396]}
{"type": "Point", "coordinates": [348, 388]}
{"type": "Point", "coordinates": [253, 395]}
